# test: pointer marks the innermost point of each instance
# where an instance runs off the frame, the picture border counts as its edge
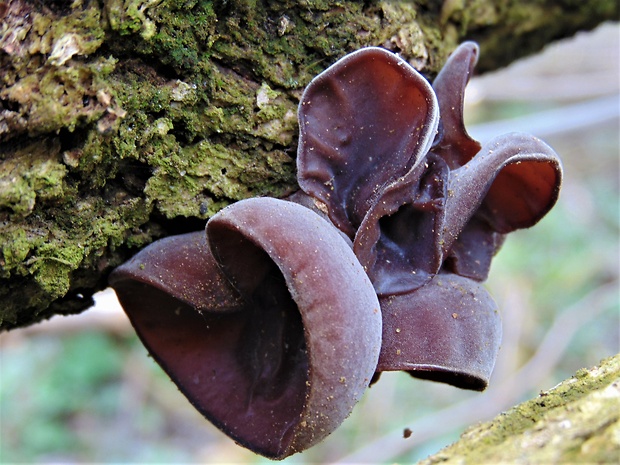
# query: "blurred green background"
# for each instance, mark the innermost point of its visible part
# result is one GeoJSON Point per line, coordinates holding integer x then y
{"type": "Point", "coordinates": [82, 388]}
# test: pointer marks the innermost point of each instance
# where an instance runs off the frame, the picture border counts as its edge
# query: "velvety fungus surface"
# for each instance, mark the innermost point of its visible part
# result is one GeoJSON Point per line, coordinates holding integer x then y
{"type": "Point", "coordinates": [274, 323]}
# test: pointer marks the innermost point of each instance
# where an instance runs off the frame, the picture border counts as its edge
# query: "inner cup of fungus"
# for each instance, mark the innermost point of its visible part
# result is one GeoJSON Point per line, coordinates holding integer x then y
{"type": "Point", "coordinates": [283, 362]}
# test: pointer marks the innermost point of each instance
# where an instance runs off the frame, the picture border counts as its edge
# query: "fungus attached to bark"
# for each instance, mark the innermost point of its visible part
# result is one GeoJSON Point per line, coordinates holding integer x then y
{"type": "Point", "coordinates": [260, 324]}
{"type": "Point", "coordinates": [423, 202]}
{"type": "Point", "coordinates": [274, 322]}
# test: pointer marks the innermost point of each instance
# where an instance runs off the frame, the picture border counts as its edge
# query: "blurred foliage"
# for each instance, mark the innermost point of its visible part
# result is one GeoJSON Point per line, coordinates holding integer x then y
{"type": "Point", "coordinates": [54, 383]}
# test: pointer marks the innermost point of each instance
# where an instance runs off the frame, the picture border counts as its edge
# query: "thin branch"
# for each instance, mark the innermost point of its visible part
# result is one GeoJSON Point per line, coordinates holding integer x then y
{"type": "Point", "coordinates": [562, 120]}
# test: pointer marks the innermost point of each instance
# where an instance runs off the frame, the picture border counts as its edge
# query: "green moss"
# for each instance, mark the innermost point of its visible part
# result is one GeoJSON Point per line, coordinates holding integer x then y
{"type": "Point", "coordinates": [201, 174]}
{"type": "Point", "coordinates": [31, 172]}
{"type": "Point", "coordinates": [52, 267]}
{"type": "Point", "coordinates": [566, 424]}
{"type": "Point", "coordinates": [14, 251]}
{"type": "Point", "coordinates": [48, 85]}
{"type": "Point", "coordinates": [129, 17]}
{"type": "Point", "coordinates": [40, 265]}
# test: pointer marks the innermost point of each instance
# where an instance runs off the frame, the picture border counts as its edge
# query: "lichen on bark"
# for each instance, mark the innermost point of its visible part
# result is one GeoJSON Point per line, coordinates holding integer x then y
{"type": "Point", "coordinates": [121, 122]}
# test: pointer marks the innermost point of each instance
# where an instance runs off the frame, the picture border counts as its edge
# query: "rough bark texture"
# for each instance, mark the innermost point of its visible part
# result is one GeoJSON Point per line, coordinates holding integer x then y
{"type": "Point", "coordinates": [125, 121]}
{"type": "Point", "coordinates": [578, 421]}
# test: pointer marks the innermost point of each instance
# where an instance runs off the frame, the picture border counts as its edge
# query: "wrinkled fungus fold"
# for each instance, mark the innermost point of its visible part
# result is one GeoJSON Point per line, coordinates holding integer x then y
{"type": "Point", "coordinates": [442, 209]}
{"type": "Point", "coordinates": [274, 321]}
{"type": "Point", "coordinates": [363, 122]}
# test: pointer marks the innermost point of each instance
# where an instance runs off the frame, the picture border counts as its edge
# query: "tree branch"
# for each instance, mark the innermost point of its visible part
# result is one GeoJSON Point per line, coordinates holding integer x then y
{"type": "Point", "coordinates": [122, 122]}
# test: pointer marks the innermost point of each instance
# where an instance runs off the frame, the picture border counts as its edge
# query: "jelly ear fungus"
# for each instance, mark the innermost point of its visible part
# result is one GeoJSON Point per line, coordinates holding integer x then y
{"type": "Point", "coordinates": [269, 326]}
{"type": "Point", "coordinates": [425, 205]}
{"type": "Point", "coordinates": [364, 123]}
{"type": "Point", "coordinates": [274, 322]}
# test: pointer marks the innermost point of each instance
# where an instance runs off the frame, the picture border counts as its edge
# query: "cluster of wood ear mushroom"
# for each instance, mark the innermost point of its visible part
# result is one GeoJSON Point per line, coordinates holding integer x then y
{"type": "Point", "coordinates": [275, 321]}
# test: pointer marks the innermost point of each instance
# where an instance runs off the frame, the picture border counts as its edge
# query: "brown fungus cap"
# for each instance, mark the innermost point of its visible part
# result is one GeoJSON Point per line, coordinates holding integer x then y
{"type": "Point", "coordinates": [389, 158]}
{"type": "Point", "coordinates": [273, 239]}
{"type": "Point", "coordinates": [449, 330]}
{"type": "Point", "coordinates": [363, 124]}
{"type": "Point", "coordinates": [281, 366]}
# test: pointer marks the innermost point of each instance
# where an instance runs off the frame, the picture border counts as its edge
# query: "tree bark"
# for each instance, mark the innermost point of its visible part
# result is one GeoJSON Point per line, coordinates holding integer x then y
{"type": "Point", "coordinates": [575, 422]}
{"type": "Point", "coordinates": [123, 122]}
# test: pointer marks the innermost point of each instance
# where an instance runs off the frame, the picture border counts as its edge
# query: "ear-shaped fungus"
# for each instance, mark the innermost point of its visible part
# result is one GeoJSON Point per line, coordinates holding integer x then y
{"type": "Point", "coordinates": [453, 144]}
{"type": "Point", "coordinates": [448, 330]}
{"type": "Point", "coordinates": [364, 123]}
{"type": "Point", "coordinates": [467, 231]}
{"type": "Point", "coordinates": [270, 324]}
{"type": "Point", "coordinates": [510, 184]}
{"type": "Point", "coordinates": [425, 220]}
{"type": "Point", "coordinates": [270, 328]}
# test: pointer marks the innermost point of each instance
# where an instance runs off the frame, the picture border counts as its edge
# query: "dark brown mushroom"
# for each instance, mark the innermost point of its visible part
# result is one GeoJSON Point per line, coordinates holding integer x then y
{"type": "Point", "coordinates": [453, 143]}
{"type": "Point", "coordinates": [421, 214]}
{"type": "Point", "coordinates": [275, 339]}
{"type": "Point", "coordinates": [364, 123]}
{"type": "Point", "coordinates": [271, 325]}
{"type": "Point", "coordinates": [449, 330]}
{"type": "Point", "coordinates": [511, 183]}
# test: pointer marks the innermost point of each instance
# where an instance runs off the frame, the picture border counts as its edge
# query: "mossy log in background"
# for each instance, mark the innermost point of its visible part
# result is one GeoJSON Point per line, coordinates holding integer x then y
{"type": "Point", "coordinates": [125, 121]}
{"type": "Point", "coordinates": [578, 421]}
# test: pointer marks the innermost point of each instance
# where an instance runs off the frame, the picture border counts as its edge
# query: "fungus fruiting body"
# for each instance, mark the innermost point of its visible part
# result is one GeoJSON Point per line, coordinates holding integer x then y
{"type": "Point", "coordinates": [274, 322]}
{"type": "Point", "coordinates": [434, 209]}
{"type": "Point", "coordinates": [258, 322]}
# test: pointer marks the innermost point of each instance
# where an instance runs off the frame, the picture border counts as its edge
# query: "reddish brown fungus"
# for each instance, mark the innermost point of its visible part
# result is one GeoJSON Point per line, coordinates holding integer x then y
{"type": "Point", "coordinates": [249, 336]}
{"type": "Point", "coordinates": [362, 122]}
{"type": "Point", "coordinates": [271, 325]}
{"type": "Point", "coordinates": [419, 212]}
{"type": "Point", "coordinates": [440, 330]}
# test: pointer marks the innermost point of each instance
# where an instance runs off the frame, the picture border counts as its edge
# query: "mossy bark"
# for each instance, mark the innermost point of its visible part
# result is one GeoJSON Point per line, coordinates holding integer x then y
{"type": "Point", "coordinates": [578, 421]}
{"type": "Point", "coordinates": [125, 121]}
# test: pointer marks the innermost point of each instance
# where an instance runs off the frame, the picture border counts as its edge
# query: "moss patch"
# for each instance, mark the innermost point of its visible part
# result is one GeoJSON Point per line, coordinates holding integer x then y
{"type": "Point", "coordinates": [576, 422]}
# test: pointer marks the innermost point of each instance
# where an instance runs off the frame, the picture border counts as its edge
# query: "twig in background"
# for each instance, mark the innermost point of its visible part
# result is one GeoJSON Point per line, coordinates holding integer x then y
{"type": "Point", "coordinates": [562, 120]}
